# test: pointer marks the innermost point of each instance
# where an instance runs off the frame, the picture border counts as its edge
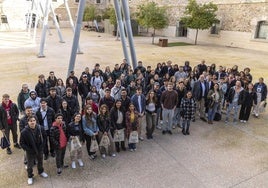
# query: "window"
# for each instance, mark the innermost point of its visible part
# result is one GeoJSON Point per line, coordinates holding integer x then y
{"type": "Point", "coordinates": [77, 1]}
{"type": "Point", "coordinates": [98, 1]}
{"type": "Point", "coordinates": [215, 29]}
{"type": "Point", "coordinates": [262, 30]}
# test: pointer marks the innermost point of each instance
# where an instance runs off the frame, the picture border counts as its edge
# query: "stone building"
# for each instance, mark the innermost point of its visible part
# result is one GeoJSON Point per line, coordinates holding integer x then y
{"type": "Point", "coordinates": [243, 23]}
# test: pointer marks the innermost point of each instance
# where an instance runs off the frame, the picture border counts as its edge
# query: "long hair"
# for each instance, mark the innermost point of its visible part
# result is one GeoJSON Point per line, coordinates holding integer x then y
{"type": "Point", "coordinates": [89, 116]}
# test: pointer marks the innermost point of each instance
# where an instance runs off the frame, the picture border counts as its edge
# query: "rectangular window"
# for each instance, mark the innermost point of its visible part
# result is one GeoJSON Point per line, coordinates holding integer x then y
{"type": "Point", "coordinates": [215, 29]}
{"type": "Point", "coordinates": [77, 1]}
{"type": "Point", "coordinates": [262, 30]}
{"type": "Point", "coordinates": [98, 1]}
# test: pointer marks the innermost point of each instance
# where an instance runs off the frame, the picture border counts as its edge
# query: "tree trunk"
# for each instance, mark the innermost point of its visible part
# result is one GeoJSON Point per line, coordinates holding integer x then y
{"type": "Point", "coordinates": [153, 37]}
{"type": "Point", "coordinates": [195, 42]}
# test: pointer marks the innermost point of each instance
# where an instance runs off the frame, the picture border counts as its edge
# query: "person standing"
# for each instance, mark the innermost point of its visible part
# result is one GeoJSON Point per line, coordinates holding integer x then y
{"type": "Point", "coordinates": [45, 116]}
{"type": "Point", "coordinates": [9, 115]}
{"type": "Point", "coordinates": [22, 97]}
{"type": "Point", "coordinates": [200, 91]}
{"type": "Point", "coordinates": [139, 102]}
{"type": "Point", "coordinates": [32, 141]}
{"type": "Point", "coordinates": [151, 109]}
{"type": "Point", "coordinates": [132, 124]}
{"type": "Point", "coordinates": [75, 132]}
{"type": "Point", "coordinates": [261, 90]}
{"type": "Point", "coordinates": [188, 108]}
{"type": "Point", "coordinates": [54, 100]}
{"type": "Point", "coordinates": [250, 100]}
{"type": "Point", "coordinates": [234, 101]}
{"type": "Point", "coordinates": [214, 97]}
{"type": "Point", "coordinates": [33, 101]}
{"type": "Point", "coordinates": [117, 114]}
{"type": "Point", "coordinates": [91, 130]}
{"type": "Point", "coordinates": [169, 100]}
{"type": "Point", "coordinates": [58, 135]}
{"type": "Point", "coordinates": [104, 124]}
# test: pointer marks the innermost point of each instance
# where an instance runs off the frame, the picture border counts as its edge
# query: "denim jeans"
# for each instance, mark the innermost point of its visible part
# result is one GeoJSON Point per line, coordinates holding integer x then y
{"type": "Point", "coordinates": [177, 116]}
{"type": "Point", "coordinates": [212, 111]}
{"type": "Point", "coordinates": [185, 125]}
{"type": "Point", "coordinates": [150, 123]}
{"type": "Point", "coordinates": [236, 108]}
{"type": "Point", "coordinates": [167, 118]}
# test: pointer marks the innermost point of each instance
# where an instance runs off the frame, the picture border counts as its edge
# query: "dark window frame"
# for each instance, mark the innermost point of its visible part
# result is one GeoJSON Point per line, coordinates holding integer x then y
{"type": "Point", "coordinates": [261, 24]}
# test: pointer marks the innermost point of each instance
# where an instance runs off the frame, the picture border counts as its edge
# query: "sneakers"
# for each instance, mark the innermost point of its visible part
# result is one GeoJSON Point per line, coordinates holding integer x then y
{"type": "Point", "coordinates": [159, 127]}
{"type": "Point", "coordinates": [17, 146]}
{"type": "Point", "coordinates": [103, 156]}
{"type": "Point", "coordinates": [80, 162]}
{"type": "Point", "coordinates": [173, 127]}
{"type": "Point", "coordinates": [131, 150]}
{"type": "Point", "coordinates": [113, 155]}
{"type": "Point", "coordinates": [164, 132]}
{"type": "Point", "coordinates": [73, 165]}
{"type": "Point", "coordinates": [169, 132]}
{"type": "Point", "coordinates": [43, 175]}
{"type": "Point", "coordinates": [30, 181]}
{"type": "Point", "coordinates": [59, 171]}
{"type": "Point", "coordinates": [92, 157]}
{"type": "Point", "coordinates": [9, 152]}
{"type": "Point", "coordinates": [141, 138]}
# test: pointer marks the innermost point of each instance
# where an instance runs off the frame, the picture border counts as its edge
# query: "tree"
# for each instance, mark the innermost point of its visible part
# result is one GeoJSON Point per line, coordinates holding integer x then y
{"type": "Point", "coordinates": [151, 16]}
{"type": "Point", "coordinates": [90, 14]}
{"type": "Point", "coordinates": [199, 16]}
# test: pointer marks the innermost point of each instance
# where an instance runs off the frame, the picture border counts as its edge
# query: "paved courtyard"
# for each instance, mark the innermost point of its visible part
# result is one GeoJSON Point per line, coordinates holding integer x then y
{"type": "Point", "coordinates": [217, 155]}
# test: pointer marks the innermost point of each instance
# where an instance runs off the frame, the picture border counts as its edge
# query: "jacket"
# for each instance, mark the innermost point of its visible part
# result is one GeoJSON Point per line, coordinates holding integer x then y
{"type": "Point", "coordinates": [42, 89]}
{"type": "Point", "coordinates": [75, 130]}
{"type": "Point", "coordinates": [188, 108]}
{"type": "Point", "coordinates": [14, 113]}
{"type": "Point", "coordinates": [134, 100]}
{"type": "Point", "coordinates": [34, 103]}
{"type": "Point", "coordinates": [114, 118]}
{"type": "Point", "coordinates": [22, 97]}
{"type": "Point", "coordinates": [197, 90]}
{"type": "Point", "coordinates": [54, 103]}
{"type": "Point", "coordinates": [231, 94]}
{"type": "Point", "coordinates": [104, 123]}
{"type": "Point", "coordinates": [32, 141]}
{"type": "Point", "coordinates": [90, 128]}
{"type": "Point", "coordinates": [50, 114]}
{"type": "Point", "coordinates": [131, 126]}
{"type": "Point", "coordinates": [55, 135]}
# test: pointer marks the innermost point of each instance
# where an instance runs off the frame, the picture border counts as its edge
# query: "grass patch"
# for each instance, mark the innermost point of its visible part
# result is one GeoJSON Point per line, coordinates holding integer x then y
{"type": "Point", "coordinates": [171, 44]}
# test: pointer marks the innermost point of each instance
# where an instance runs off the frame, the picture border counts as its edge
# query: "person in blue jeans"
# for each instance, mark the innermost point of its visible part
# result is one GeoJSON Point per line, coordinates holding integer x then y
{"type": "Point", "coordinates": [214, 96]}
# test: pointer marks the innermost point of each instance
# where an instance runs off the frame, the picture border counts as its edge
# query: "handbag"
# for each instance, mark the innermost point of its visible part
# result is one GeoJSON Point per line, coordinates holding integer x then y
{"type": "Point", "coordinates": [94, 147]}
{"type": "Point", "coordinates": [133, 137]}
{"type": "Point", "coordinates": [4, 142]}
{"type": "Point", "coordinates": [105, 141]}
{"type": "Point", "coordinates": [119, 135]}
{"type": "Point", "coordinates": [75, 144]}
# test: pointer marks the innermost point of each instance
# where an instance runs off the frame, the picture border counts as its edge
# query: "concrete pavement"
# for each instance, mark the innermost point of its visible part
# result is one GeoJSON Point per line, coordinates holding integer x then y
{"type": "Point", "coordinates": [217, 155]}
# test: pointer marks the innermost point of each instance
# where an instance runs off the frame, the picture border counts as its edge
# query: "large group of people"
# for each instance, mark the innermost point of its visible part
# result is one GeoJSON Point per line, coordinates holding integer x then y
{"type": "Point", "coordinates": [107, 109]}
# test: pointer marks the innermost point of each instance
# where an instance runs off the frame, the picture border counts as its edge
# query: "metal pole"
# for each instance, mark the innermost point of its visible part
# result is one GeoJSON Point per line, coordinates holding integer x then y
{"type": "Point", "coordinates": [129, 32]}
{"type": "Point", "coordinates": [121, 29]}
{"type": "Point", "coordinates": [78, 26]}
{"type": "Point", "coordinates": [71, 23]}
{"type": "Point", "coordinates": [56, 24]}
{"type": "Point", "coordinates": [44, 30]}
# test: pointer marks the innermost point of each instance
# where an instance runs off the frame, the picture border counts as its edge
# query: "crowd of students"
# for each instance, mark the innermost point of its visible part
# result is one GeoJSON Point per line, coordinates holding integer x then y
{"type": "Point", "coordinates": [107, 107]}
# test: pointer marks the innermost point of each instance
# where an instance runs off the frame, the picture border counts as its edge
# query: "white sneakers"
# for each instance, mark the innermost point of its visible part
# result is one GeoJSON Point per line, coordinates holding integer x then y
{"type": "Point", "coordinates": [113, 155]}
{"type": "Point", "coordinates": [80, 162]}
{"type": "Point", "coordinates": [73, 165]}
{"type": "Point", "coordinates": [30, 181]}
{"type": "Point", "coordinates": [44, 175]}
{"type": "Point", "coordinates": [103, 156]}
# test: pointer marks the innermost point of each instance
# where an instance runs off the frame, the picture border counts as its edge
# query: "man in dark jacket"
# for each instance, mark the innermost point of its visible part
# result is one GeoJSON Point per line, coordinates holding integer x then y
{"type": "Point", "coordinates": [45, 116]}
{"type": "Point", "coordinates": [72, 101]}
{"type": "Point", "coordinates": [32, 141]}
{"type": "Point", "coordinates": [84, 87]}
{"type": "Point", "coordinates": [54, 100]}
{"type": "Point", "coordinates": [200, 92]}
{"type": "Point", "coordinates": [22, 97]}
{"type": "Point", "coordinates": [107, 99]}
{"type": "Point", "coordinates": [42, 87]}
{"type": "Point", "coordinates": [9, 115]}
{"type": "Point", "coordinates": [59, 138]}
